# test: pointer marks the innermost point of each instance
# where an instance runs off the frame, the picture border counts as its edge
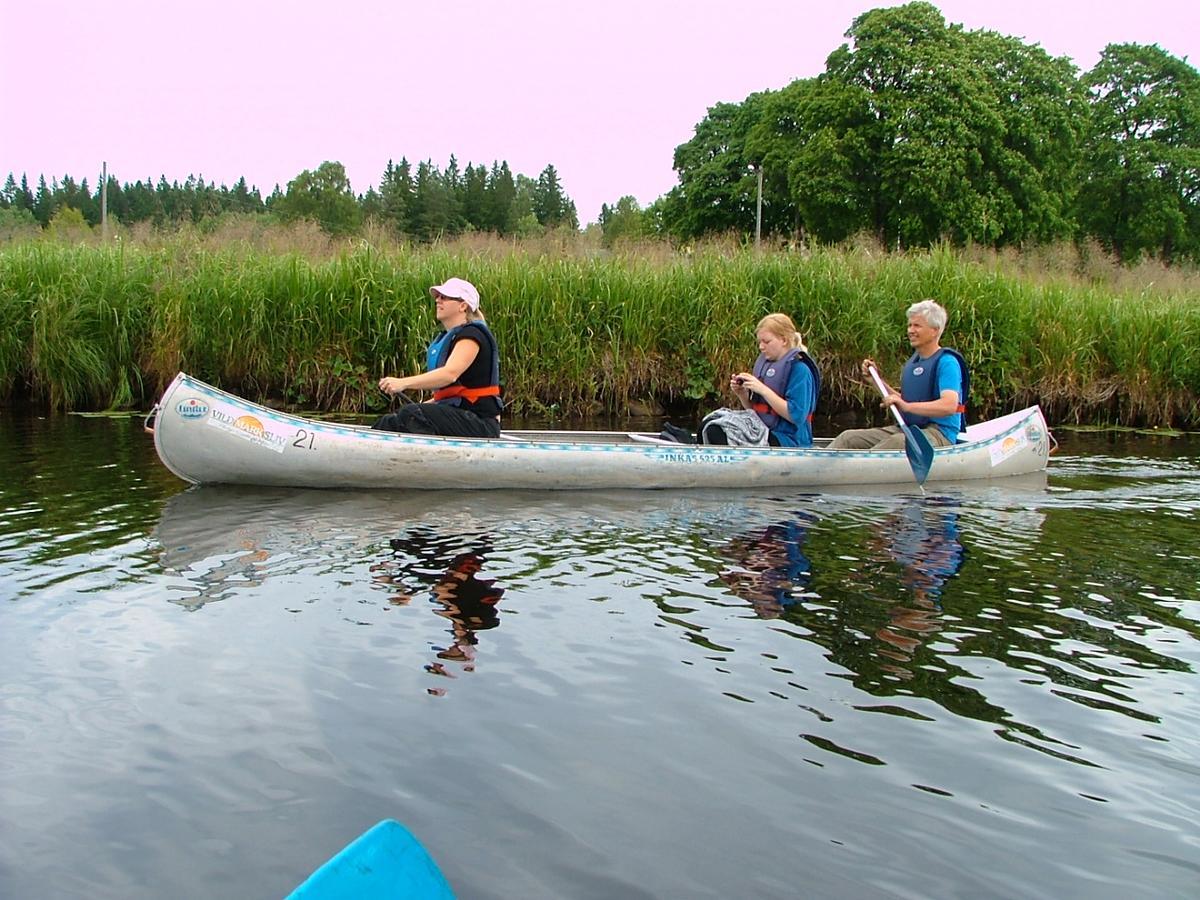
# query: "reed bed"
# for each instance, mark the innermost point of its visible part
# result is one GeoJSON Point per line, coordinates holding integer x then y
{"type": "Point", "coordinates": [583, 331]}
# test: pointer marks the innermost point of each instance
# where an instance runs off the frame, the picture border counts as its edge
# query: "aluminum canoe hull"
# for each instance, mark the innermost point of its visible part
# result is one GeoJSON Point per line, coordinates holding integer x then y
{"type": "Point", "coordinates": [208, 436]}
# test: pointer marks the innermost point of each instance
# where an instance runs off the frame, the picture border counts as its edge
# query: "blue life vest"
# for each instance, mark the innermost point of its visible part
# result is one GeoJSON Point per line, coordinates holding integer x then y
{"type": "Point", "coordinates": [775, 374]}
{"type": "Point", "coordinates": [439, 352]}
{"type": "Point", "coordinates": [918, 384]}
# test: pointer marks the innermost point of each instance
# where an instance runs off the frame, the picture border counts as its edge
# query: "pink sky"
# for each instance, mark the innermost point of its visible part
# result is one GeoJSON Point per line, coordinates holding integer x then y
{"type": "Point", "coordinates": [266, 89]}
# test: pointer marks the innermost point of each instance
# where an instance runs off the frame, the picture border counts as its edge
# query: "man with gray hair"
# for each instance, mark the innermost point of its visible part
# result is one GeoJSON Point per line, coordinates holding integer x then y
{"type": "Point", "coordinates": [933, 388]}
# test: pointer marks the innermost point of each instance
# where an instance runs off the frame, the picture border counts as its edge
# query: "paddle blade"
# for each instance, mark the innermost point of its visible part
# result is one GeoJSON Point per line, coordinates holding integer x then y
{"type": "Point", "coordinates": [919, 452]}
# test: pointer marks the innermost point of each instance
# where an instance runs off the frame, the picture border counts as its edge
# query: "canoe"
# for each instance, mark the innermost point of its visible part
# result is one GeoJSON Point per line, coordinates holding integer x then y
{"type": "Point", "coordinates": [207, 436]}
{"type": "Point", "coordinates": [384, 862]}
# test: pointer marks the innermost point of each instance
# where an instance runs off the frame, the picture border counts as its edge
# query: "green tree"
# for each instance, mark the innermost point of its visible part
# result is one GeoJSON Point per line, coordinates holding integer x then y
{"type": "Point", "coordinates": [718, 185]}
{"type": "Point", "coordinates": [1031, 171]}
{"type": "Point", "coordinates": [371, 204]}
{"type": "Point", "coordinates": [624, 221]}
{"type": "Point", "coordinates": [474, 197]}
{"type": "Point", "coordinates": [396, 195]}
{"type": "Point", "coordinates": [244, 199]}
{"type": "Point", "coordinates": [501, 192]}
{"type": "Point", "coordinates": [24, 195]}
{"type": "Point", "coordinates": [43, 203]}
{"type": "Point", "coordinates": [818, 172]}
{"type": "Point", "coordinates": [551, 206]}
{"type": "Point", "coordinates": [68, 224]}
{"type": "Point", "coordinates": [431, 207]}
{"type": "Point", "coordinates": [916, 131]}
{"type": "Point", "coordinates": [452, 181]}
{"type": "Point", "coordinates": [17, 223]}
{"type": "Point", "coordinates": [929, 115]}
{"type": "Point", "coordinates": [1142, 191]}
{"type": "Point", "coordinates": [323, 196]}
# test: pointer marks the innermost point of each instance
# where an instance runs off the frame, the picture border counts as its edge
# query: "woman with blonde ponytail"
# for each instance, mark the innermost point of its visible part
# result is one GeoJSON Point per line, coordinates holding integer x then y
{"type": "Point", "coordinates": [780, 392]}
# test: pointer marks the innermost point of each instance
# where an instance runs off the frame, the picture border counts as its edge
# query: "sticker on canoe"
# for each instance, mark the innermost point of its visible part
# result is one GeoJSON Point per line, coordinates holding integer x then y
{"type": "Point", "coordinates": [248, 428]}
{"type": "Point", "coordinates": [1007, 447]}
{"type": "Point", "coordinates": [192, 409]}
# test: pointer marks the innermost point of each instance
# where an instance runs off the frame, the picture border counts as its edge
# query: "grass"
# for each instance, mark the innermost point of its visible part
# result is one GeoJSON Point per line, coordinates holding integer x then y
{"type": "Point", "coordinates": [292, 316]}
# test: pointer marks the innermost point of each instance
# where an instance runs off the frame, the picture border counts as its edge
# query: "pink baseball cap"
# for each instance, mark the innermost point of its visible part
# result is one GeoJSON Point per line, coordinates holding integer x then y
{"type": "Point", "coordinates": [459, 289]}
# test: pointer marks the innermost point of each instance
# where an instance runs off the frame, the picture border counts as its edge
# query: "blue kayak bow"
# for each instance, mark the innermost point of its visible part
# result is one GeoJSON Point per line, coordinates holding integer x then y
{"type": "Point", "coordinates": [384, 862]}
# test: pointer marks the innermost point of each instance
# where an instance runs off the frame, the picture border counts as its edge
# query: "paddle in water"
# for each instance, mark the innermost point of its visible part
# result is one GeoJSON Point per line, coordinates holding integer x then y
{"type": "Point", "coordinates": [916, 444]}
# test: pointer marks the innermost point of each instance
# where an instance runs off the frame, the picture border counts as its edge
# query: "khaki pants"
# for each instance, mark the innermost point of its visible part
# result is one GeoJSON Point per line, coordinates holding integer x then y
{"type": "Point", "coordinates": [890, 437]}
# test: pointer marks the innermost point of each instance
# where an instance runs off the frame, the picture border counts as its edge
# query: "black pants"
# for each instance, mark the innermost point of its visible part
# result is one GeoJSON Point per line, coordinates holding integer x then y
{"type": "Point", "coordinates": [438, 418]}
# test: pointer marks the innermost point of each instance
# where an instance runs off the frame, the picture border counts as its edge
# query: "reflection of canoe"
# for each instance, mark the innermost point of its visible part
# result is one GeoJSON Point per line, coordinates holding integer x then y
{"type": "Point", "coordinates": [386, 861]}
{"type": "Point", "coordinates": [205, 435]}
{"type": "Point", "coordinates": [217, 530]}
{"type": "Point", "coordinates": [222, 540]}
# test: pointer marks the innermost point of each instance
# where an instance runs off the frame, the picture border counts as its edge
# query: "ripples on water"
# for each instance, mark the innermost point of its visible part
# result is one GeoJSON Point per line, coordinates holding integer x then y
{"type": "Point", "coordinates": [988, 690]}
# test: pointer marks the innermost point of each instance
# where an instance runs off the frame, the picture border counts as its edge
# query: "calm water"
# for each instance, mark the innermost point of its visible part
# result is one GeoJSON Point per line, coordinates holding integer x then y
{"type": "Point", "coordinates": [989, 692]}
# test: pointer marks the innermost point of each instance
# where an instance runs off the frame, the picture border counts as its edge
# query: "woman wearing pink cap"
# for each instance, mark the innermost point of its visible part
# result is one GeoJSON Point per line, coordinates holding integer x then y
{"type": "Point", "coordinates": [462, 370]}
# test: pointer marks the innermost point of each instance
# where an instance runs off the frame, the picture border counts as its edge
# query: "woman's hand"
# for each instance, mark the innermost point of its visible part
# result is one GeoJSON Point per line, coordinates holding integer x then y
{"type": "Point", "coordinates": [743, 383]}
{"type": "Point", "coordinates": [392, 386]}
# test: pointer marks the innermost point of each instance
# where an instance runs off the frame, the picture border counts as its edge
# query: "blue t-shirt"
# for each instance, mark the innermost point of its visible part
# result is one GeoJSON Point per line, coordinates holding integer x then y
{"type": "Point", "coordinates": [949, 378]}
{"type": "Point", "coordinates": [801, 401]}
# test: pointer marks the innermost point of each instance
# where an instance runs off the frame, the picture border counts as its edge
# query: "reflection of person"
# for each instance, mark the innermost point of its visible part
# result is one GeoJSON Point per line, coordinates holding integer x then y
{"type": "Point", "coordinates": [467, 601]}
{"type": "Point", "coordinates": [781, 392]}
{"type": "Point", "coordinates": [930, 556]}
{"type": "Point", "coordinates": [933, 388]}
{"type": "Point", "coordinates": [773, 572]}
{"type": "Point", "coordinates": [462, 370]}
{"type": "Point", "coordinates": [470, 605]}
{"type": "Point", "coordinates": [929, 552]}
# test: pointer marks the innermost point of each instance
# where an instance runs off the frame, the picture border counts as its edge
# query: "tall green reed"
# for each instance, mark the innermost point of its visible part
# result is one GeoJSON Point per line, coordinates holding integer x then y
{"type": "Point", "coordinates": [579, 332]}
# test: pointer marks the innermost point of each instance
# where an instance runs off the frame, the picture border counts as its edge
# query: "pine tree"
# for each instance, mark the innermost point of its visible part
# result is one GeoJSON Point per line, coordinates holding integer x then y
{"type": "Point", "coordinates": [551, 206]}
{"type": "Point", "coordinates": [502, 190]}
{"type": "Point", "coordinates": [396, 196]}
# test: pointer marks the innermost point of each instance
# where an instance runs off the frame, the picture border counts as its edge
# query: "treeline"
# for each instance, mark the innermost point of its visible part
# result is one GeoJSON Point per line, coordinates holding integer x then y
{"type": "Point", "coordinates": [424, 204]}
{"type": "Point", "coordinates": [918, 131]}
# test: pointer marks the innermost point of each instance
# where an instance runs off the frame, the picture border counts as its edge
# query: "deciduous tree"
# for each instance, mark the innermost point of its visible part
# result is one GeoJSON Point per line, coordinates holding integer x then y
{"type": "Point", "coordinates": [325, 197]}
{"type": "Point", "coordinates": [1142, 192]}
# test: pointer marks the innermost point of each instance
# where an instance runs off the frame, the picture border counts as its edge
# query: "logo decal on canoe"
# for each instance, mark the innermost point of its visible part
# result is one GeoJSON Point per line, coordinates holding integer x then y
{"type": "Point", "coordinates": [192, 409]}
{"type": "Point", "coordinates": [247, 427]}
{"type": "Point", "coordinates": [1007, 447]}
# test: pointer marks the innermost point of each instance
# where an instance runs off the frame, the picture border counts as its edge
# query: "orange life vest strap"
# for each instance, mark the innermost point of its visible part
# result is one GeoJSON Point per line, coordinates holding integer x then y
{"type": "Point", "coordinates": [472, 394]}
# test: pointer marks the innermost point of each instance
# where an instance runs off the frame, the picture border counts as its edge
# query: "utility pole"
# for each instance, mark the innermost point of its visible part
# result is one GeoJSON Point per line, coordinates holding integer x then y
{"type": "Point", "coordinates": [104, 201]}
{"type": "Point", "coordinates": [758, 217]}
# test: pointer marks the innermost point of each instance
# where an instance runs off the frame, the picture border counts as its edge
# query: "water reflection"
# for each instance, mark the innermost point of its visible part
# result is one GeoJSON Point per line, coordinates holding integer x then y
{"type": "Point", "coordinates": [1011, 667]}
{"type": "Point", "coordinates": [922, 537]}
{"type": "Point", "coordinates": [422, 561]}
{"type": "Point", "coordinates": [905, 595]}
{"type": "Point", "coordinates": [770, 568]}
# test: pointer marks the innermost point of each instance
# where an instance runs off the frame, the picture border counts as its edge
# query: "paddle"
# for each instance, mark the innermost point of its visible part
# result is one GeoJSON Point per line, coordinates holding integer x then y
{"type": "Point", "coordinates": [916, 444]}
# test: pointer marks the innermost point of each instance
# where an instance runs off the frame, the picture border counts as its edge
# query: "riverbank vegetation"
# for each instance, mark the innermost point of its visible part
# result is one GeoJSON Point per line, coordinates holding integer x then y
{"type": "Point", "coordinates": [296, 317]}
